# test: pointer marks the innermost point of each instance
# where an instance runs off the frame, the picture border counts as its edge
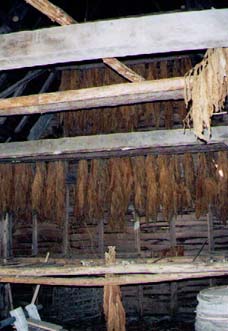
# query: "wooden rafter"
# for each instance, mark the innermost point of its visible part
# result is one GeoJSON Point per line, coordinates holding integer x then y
{"type": "Point", "coordinates": [115, 38]}
{"type": "Point", "coordinates": [56, 14]}
{"type": "Point", "coordinates": [111, 95]}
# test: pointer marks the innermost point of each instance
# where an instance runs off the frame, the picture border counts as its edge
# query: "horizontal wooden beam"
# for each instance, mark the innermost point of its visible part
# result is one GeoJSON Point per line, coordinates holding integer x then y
{"type": "Point", "coordinates": [56, 14]}
{"type": "Point", "coordinates": [115, 38]}
{"type": "Point", "coordinates": [120, 269]}
{"type": "Point", "coordinates": [111, 95]}
{"type": "Point", "coordinates": [101, 281]}
{"type": "Point", "coordinates": [110, 145]}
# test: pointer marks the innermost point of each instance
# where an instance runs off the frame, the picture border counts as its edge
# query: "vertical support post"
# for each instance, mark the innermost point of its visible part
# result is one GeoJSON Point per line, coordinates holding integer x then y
{"type": "Point", "coordinates": [138, 249]}
{"type": "Point", "coordinates": [66, 221]}
{"type": "Point", "coordinates": [6, 253]}
{"type": "Point", "coordinates": [210, 237]}
{"type": "Point", "coordinates": [34, 235]}
{"type": "Point", "coordinates": [7, 236]}
{"type": "Point", "coordinates": [101, 238]}
{"type": "Point", "coordinates": [173, 285]}
{"type": "Point", "coordinates": [211, 244]}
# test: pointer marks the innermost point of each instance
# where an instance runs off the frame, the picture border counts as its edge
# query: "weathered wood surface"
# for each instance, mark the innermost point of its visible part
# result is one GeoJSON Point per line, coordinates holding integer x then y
{"type": "Point", "coordinates": [56, 14]}
{"type": "Point", "coordinates": [112, 95]}
{"type": "Point", "coordinates": [115, 38]}
{"type": "Point", "coordinates": [133, 268]}
{"type": "Point", "coordinates": [79, 147]}
{"type": "Point", "coordinates": [101, 281]}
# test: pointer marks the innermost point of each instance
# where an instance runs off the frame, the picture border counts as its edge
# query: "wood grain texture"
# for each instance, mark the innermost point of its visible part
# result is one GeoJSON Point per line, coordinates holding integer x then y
{"type": "Point", "coordinates": [56, 14]}
{"type": "Point", "coordinates": [111, 95]}
{"type": "Point", "coordinates": [115, 38]}
{"type": "Point", "coordinates": [86, 146]}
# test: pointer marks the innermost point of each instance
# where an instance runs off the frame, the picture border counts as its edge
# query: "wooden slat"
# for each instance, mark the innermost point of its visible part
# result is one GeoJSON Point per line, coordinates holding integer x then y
{"type": "Point", "coordinates": [115, 38]}
{"type": "Point", "coordinates": [112, 95]}
{"type": "Point", "coordinates": [87, 146]}
{"type": "Point", "coordinates": [131, 268]}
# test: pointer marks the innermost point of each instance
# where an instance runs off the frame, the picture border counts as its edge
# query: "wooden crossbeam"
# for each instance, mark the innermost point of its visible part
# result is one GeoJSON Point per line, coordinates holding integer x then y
{"type": "Point", "coordinates": [117, 280]}
{"type": "Point", "coordinates": [56, 14]}
{"type": "Point", "coordinates": [115, 269]}
{"type": "Point", "coordinates": [115, 38]}
{"type": "Point", "coordinates": [109, 145]}
{"type": "Point", "coordinates": [111, 95]}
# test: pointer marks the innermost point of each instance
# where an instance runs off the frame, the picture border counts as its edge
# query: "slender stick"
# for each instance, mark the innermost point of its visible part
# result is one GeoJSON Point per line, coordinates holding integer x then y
{"type": "Point", "coordinates": [38, 286]}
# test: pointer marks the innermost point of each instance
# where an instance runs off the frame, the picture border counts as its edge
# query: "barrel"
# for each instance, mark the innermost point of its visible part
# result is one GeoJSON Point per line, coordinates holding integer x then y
{"type": "Point", "coordinates": [212, 309]}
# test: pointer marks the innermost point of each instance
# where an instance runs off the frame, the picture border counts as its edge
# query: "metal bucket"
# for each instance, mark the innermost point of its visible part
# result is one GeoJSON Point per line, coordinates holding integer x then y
{"type": "Point", "coordinates": [212, 309]}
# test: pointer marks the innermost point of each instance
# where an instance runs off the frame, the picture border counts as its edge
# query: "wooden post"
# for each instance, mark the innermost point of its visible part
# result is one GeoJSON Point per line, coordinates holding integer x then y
{"type": "Point", "coordinates": [210, 237]}
{"type": "Point", "coordinates": [173, 285]}
{"type": "Point", "coordinates": [211, 244]}
{"type": "Point", "coordinates": [56, 14]}
{"type": "Point", "coordinates": [34, 235]}
{"type": "Point", "coordinates": [113, 308]}
{"type": "Point", "coordinates": [66, 222]}
{"type": "Point", "coordinates": [6, 253]}
{"type": "Point", "coordinates": [101, 238]}
{"type": "Point", "coordinates": [7, 236]}
{"type": "Point", "coordinates": [138, 248]}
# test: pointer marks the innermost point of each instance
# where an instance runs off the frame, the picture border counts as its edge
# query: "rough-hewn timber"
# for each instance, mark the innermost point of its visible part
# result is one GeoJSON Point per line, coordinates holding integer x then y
{"type": "Point", "coordinates": [112, 95]}
{"type": "Point", "coordinates": [56, 14]}
{"type": "Point", "coordinates": [101, 281]}
{"type": "Point", "coordinates": [88, 146]}
{"type": "Point", "coordinates": [115, 38]}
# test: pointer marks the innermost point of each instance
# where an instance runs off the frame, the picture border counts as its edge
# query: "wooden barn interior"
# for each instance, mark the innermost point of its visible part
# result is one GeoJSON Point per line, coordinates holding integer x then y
{"type": "Point", "coordinates": [113, 162]}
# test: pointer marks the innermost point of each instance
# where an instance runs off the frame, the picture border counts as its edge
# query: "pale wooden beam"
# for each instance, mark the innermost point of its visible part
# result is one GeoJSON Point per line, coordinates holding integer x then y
{"type": "Point", "coordinates": [111, 95]}
{"type": "Point", "coordinates": [115, 269]}
{"type": "Point", "coordinates": [56, 14]}
{"type": "Point", "coordinates": [115, 38]}
{"type": "Point", "coordinates": [101, 281]}
{"type": "Point", "coordinates": [114, 144]}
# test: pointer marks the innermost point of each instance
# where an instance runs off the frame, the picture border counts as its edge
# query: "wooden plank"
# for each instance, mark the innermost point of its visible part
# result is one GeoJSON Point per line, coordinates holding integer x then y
{"type": "Point", "coordinates": [87, 146]}
{"type": "Point", "coordinates": [56, 14]}
{"type": "Point", "coordinates": [115, 38]}
{"type": "Point", "coordinates": [118, 268]}
{"type": "Point", "coordinates": [211, 244]}
{"type": "Point", "coordinates": [112, 95]}
{"type": "Point", "coordinates": [66, 222]}
{"type": "Point", "coordinates": [34, 235]}
{"type": "Point", "coordinates": [117, 280]}
{"type": "Point", "coordinates": [44, 325]}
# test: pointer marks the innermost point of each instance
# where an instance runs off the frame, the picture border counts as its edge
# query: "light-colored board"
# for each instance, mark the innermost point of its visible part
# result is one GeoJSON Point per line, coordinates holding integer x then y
{"type": "Point", "coordinates": [87, 145]}
{"type": "Point", "coordinates": [115, 38]}
{"type": "Point", "coordinates": [112, 95]}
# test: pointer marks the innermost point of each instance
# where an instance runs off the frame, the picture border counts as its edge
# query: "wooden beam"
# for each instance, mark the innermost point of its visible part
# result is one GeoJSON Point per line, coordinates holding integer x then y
{"type": "Point", "coordinates": [56, 14]}
{"type": "Point", "coordinates": [111, 95]}
{"type": "Point", "coordinates": [110, 144]}
{"type": "Point", "coordinates": [101, 281]}
{"type": "Point", "coordinates": [115, 38]}
{"type": "Point", "coordinates": [118, 268]}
